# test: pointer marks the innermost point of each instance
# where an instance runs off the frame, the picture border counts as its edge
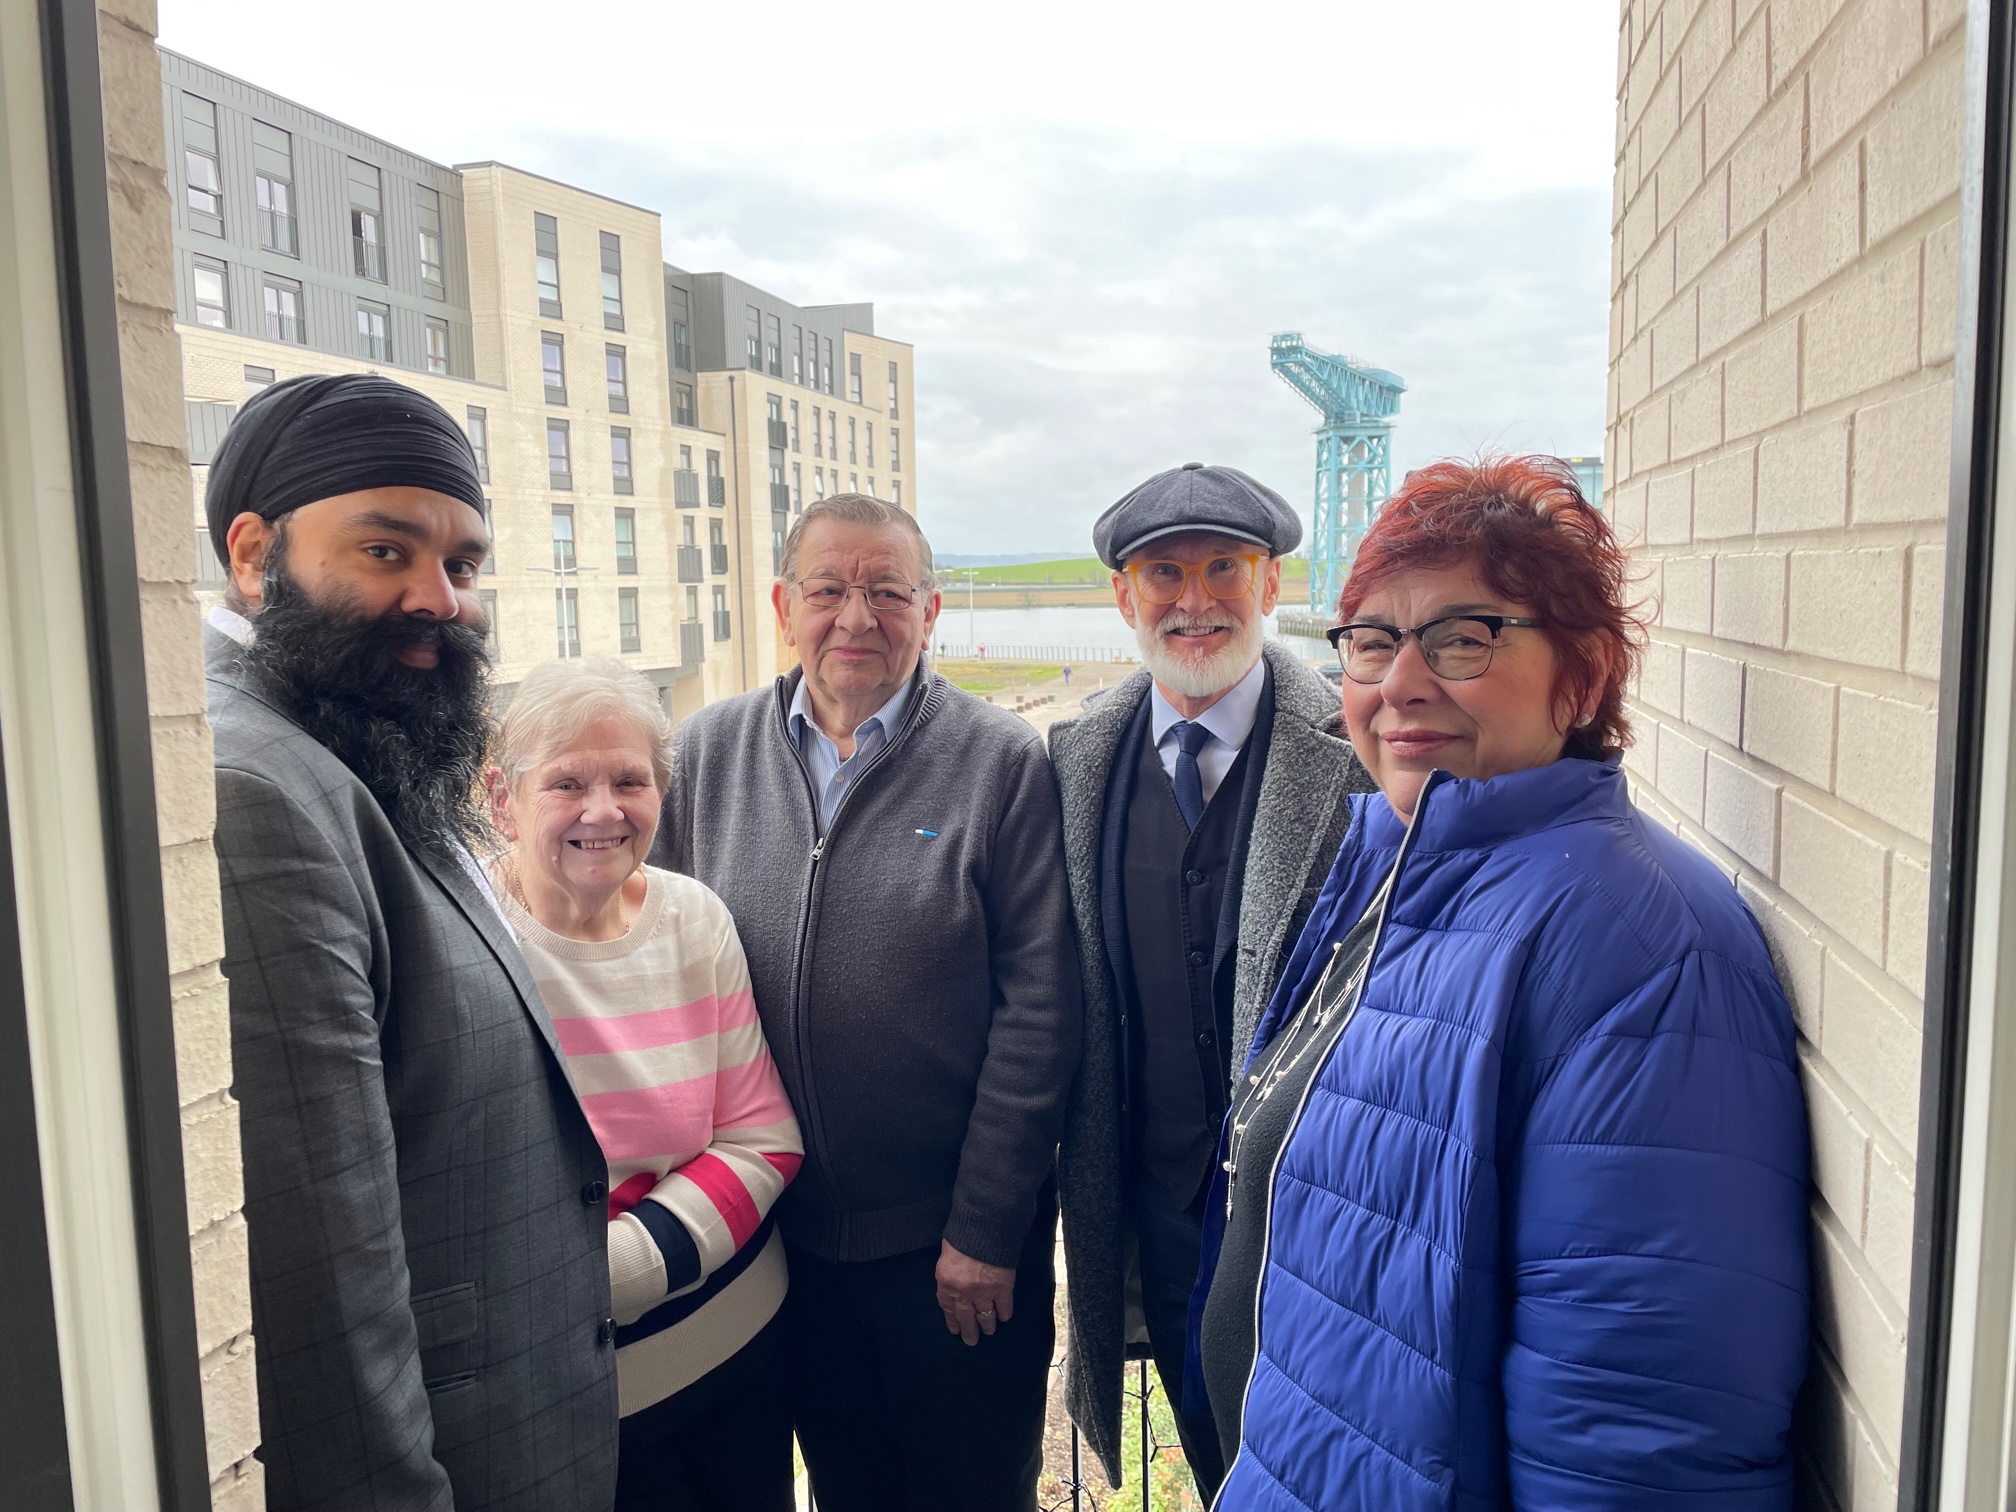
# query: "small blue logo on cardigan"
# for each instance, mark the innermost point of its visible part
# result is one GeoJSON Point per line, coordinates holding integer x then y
{"type": "Point", "coordinates": [928, 834]}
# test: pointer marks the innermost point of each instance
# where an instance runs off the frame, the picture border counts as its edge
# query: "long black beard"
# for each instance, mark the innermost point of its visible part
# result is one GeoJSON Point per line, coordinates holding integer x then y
{"type": "Point", "coordinates": [416, 737]}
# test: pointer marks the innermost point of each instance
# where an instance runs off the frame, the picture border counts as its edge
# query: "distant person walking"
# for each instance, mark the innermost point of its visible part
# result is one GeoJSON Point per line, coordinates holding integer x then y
{"type": "Point", "coordinates": [1067, 674]}
{"type": "Point", "coordinates": [890, 849]}
{"type": "Point", "coordinates": [1203, 803]}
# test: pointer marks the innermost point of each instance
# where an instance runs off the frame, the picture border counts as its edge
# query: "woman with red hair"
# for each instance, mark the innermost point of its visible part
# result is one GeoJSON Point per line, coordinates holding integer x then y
{"type": "Point", "coordinates": [1512, 1206]}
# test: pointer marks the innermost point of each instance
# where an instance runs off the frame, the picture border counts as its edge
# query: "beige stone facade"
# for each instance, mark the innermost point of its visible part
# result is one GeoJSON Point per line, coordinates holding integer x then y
{"type": "Point", "coordinates": [1782, 331]}
{"type": "Point", "coordinates": [185, 790]}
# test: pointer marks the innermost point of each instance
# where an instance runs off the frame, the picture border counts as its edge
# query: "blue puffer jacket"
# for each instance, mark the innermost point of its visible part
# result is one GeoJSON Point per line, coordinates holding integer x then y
{"type": "Point", "coordinates": [1539, 1235]}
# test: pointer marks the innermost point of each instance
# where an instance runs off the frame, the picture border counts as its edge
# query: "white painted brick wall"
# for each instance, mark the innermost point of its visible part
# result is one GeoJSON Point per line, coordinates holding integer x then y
{"type": "Point", "coordinates": [185, 789]}
{"type": "Point", "coordinates": [1784, 266]}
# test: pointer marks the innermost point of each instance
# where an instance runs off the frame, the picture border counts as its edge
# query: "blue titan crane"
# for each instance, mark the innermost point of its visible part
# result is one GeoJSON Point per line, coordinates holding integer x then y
{"type": "Point", "coordinates": [1353, 453]}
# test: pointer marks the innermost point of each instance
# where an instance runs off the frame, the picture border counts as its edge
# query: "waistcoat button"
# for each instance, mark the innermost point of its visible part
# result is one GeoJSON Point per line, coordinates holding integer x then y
{"type": "Point", "coordinates": [606, 1334]}
{"type": "Point", "coordinates": [1194, 877]}
{"type": "Point", "coordinates": [1195, 958]}
{"type": "Point", "coordinates": [593, 1193]}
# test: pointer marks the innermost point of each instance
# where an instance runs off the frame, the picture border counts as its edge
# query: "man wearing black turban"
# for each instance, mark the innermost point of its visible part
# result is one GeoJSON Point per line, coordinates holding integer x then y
{"type": "Point", "coordinates": [425, 1199]}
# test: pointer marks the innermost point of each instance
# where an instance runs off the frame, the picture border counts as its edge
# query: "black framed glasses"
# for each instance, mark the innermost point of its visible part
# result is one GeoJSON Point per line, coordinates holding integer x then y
{"type": "Point", "coordinates": [1457, 647]}
{"type": "Point", "coordinates": [831, 593]}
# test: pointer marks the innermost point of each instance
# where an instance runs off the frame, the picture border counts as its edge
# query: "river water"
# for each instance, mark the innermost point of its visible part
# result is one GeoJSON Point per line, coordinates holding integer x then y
{"type": "Point", "coordinates": [1063, 634]}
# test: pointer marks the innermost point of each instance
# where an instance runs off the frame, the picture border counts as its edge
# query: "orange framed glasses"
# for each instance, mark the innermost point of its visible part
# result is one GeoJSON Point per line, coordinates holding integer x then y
{"type": "Point", "coordinates": [1223, 577]}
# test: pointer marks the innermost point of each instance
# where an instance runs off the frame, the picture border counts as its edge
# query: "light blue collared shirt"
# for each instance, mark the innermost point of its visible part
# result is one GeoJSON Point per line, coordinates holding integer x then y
{"type": "Point", "coordinates": [1230, 721]}
{"type": "Point", "coordinates": [831, 775]}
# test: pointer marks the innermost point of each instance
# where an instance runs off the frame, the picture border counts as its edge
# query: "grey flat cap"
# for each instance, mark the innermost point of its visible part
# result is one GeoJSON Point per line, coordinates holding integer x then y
{"type": "Point", "coordinates": [1221, 500]}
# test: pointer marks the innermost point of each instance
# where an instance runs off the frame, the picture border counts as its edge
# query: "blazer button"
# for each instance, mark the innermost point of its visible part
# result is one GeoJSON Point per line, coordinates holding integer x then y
{"type": "Point", "coordinates": [593, 1193]}
{"type": "Point", "coordinates": [606, 1334]}
{"type": "Point", "coordinates": [1194, 877]}
{"type": "Point", "coordinates": [1195, 958]}
{"type": "Point", "coordinates": [1204, 1039]}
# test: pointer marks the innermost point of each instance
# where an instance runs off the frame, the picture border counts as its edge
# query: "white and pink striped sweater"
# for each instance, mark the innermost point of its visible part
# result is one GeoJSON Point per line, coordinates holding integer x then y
{"type": "Point", "coordinates": [667, 1054]}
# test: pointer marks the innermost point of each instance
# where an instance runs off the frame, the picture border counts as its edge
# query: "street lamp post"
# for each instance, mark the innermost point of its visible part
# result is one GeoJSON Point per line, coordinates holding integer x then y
{"type": "Point", "coordinates": [564, 572]}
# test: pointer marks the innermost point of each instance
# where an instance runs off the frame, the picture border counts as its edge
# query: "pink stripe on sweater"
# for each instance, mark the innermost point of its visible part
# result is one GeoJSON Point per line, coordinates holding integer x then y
{"type": "Point", "coordinates": [786, 1165]}
{"type": "Point", "coordinates": [717, 1179]}
{"type": "Point", "coordinates": [679, 1116]}
{"type": "Point", "coordinates": [630, 1193]}
{"type": "Point", "coordinates": [658, 1026]}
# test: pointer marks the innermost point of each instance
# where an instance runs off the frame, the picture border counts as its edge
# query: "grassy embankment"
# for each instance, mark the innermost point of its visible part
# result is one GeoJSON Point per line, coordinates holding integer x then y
{"type": "Point", "coordinates": [1080, 582]}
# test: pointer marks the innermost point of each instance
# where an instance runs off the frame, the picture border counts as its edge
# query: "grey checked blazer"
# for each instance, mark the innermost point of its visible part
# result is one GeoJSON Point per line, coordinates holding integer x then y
{"type": "Point", "coordinates": [426, 1200]}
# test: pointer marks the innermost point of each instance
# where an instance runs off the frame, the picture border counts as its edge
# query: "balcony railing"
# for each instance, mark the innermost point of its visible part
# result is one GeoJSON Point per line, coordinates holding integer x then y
{"type": "Point", "coordinates": [780, 434]}
{"type": "Point", "coordinates": [691, 566]}
{"type": "Point", "coordinates": [719, 552]}
{"type": "Point", "coordinates": [692, 646]}
{"type": "Point", "coordinates": [686, 488]}
{"type": "Point", "coordinates": [370, 259]}
{"type": "Point", "coordinates": [717, 490]}
{"type": "Point", "coordinates": [780, 498]}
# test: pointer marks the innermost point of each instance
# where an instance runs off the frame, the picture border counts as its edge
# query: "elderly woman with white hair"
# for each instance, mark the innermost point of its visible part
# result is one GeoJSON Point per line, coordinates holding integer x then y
{"type": "Point", "coordinates": [649, 994]}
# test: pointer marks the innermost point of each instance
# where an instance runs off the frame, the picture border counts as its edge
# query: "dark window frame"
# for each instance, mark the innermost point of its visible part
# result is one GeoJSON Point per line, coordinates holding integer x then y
{"type": "Point", "coordinates": [556, 343]}
{"type": "Point", "coordinates": [546, 250]}
{"type": "Point", "coordinates": [626, 542]}
{"type": "Point", "coordinates": [612, 267]}
{"type": "Point", "coordinates": [216, 265]}
{"type": "Point", "coordinates": [629, 626]}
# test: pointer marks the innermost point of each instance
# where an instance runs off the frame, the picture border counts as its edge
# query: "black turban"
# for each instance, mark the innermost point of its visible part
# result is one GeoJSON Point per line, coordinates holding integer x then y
{"type": "Point", "coordinates": [317, 437]}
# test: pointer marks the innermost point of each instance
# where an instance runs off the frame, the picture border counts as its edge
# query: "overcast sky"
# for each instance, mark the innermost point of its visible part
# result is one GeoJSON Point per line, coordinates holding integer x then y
{"type": "Point", "coordinates": [1088, 217]}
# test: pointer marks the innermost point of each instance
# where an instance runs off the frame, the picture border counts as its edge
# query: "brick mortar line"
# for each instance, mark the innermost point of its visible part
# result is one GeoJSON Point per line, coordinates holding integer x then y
{"type": "Point", "coordinates": [1873, 1127]}
{"type": "Point", "coordinates": [1877, 682]}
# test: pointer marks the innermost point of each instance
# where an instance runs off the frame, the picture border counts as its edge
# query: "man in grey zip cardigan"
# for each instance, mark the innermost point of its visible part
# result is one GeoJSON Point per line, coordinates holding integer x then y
{"type": "Point", "coordinates": [1203, 805]}
{"type": "Point", "coordinates": [891, 850]}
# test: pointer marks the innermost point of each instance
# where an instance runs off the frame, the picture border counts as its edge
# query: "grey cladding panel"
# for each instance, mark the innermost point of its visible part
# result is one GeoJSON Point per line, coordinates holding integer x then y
{"type": "Point", "coordinates": [207, 424]}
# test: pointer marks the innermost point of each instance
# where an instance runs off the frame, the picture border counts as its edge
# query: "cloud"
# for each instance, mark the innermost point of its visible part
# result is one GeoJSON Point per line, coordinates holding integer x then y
{"type": "Point", "coordinates": [1090, 306]}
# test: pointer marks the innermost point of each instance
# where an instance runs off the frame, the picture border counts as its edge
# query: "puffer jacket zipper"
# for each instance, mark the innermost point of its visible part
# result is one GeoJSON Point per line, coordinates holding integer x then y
{"type": "Point", "coordinates": [1392, 891]}
{"type": "Point", "coordinates": [813, 1127]}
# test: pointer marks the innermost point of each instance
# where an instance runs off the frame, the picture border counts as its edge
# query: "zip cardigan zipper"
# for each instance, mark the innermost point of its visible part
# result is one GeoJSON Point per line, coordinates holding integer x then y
{"type": "Point", "coordinates": [801, 1041]}
{"type": "Point", "coordinates": [1274, 1171]}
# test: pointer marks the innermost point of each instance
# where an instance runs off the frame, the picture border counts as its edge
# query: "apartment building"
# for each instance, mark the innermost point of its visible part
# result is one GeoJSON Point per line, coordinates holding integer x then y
{"type": "Point", "coordinates": [647, 433]}
{"type": "Point", "coordinates": [812, 402]}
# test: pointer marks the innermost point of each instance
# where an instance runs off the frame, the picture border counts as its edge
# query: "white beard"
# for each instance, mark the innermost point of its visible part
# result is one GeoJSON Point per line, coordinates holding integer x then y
{"type": "Point", "coordinates": [1190, 675]}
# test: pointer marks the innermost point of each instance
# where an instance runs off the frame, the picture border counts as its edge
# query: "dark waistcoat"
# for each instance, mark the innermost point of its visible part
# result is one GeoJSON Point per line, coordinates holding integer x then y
{"type": "Point", "coordinates": [1176, 884]}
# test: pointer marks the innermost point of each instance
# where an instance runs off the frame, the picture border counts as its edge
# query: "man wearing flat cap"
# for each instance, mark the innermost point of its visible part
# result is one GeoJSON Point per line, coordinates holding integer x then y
{"type": "Point", "coordinates": [1203, 804]}
{"type": "Point", "coordinates": [426, 1201]}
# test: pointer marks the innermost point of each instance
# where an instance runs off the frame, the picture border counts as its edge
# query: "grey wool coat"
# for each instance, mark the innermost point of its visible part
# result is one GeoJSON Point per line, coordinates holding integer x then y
{"type": "Point", "coordinates": [1298, 825]}
{"type": "Point", "coordinates": [427, 1205]}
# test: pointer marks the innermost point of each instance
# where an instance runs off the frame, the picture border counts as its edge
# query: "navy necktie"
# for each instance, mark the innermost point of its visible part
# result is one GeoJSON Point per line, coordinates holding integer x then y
{"type": "Point", "coordinates": [1190, 740]}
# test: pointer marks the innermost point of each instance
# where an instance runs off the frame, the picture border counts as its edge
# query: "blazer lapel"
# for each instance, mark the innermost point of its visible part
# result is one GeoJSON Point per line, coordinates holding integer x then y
{"type": "Point", "coordinates": [488, 923]}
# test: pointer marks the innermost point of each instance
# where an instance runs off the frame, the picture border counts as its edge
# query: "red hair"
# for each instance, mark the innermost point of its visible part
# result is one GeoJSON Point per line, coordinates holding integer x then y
{"type": "Point", "coordinates": [1522, 524]}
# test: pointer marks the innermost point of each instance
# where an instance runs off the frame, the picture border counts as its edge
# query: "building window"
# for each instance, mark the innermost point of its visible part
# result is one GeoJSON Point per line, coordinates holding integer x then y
{"type": "Point", "coordinates": [818, 482]}
{"type": "Point", "coordinates": [479, 440]}
{"type": "Point", "coordinates": [794, 425]}
{"type": "Point", "coordinates": [559, 463]}
{"type": "Point", "coordinates": [869, 427]}
{"type": "Point", "coordinates": [826, 364]}
{"type": "Point", "coordinates": [437, 346]}
{"type": "Point", "coordinates": [685, 459]}
{"type": "Point", "coordinates": [204, 190]}
{"type": "Point", "coordinates": [853, 482]}
{"type": "Point", "coordinates": [553, 366]}
{"type": "Point", "coordinates": [895, 404]}
{"type": "Point", "coordinates": [367, 221]}
{"type": "Point", "coordinates": [626, 542]}
{"type": "Point", "coordinates": [833, 439]}
{"type": "Point", "coordinates": [692, 600]}
{"type": "Point", "coordinates": [563, 537]}
{"type": "Point", "coordinates": [619, 461]}
{"type": "Point", "coordinates": [773, 346]}
{"type": "Point", "coordinates": [374, 340]}
{"type": "Point", "coordinates": [797, 486]}
{"type": "Point", "coordinates": [490, 535]}
{"type": "Point", "coordinates": [717, 547]}
{"type": "Point", "coordinates": [492, 641]}
{"type": "Point", "coordinates": [433, 279]}
{"type": "Point", "coordinates": [617, 363]}
{"type": "Point", "coordinates": [686, 531]}
{"type": "Point", "coordinates": [895, 449]}
{"type": "Point", "coordinates": [780, 491]}
{"type": "Point", "coordinates": [720, 614]}
{"type": "Point", "coordinates": [567, 620]}
{"type": "Point", "coordinates": [612, 281]}
{"type": "Point", "coordinates": [753, 340]}
{"type": "Point", "coordinates": [546, 250]}
{"type": "Point", "coordinates": [682, 404]}
{"type": "Point", "coordinates": [853, 441]}
{"type": "Point", "coordinates": [717, 486]}
{"type": "Point", "coordinates": [213, 295]}
{"type": "Point", "coordinates": [283, 310]}
{"type": "Point", "coordinates": [273, 187]}
{"type": "Point", "coordinates": [682, 347]}
{"type": "Point", "coordinates": [257, 379]}
{"type": "Point", "coordinates": [818, 448]}
{"type": "Point", "coordinates": [896, 492]}
{"type": "Point", "coordinates": [854, 376]}
{"type": "Point", "coordinates": [797, 354]}
{"type": "Point", "coordinates": [628, 636]}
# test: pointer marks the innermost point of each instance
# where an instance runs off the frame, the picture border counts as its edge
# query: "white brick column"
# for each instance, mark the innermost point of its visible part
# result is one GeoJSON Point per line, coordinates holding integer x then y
{"type": "Point", "coordinates": [1782, 322]}
{"type": "Point", "coordinates": [185, 788]}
